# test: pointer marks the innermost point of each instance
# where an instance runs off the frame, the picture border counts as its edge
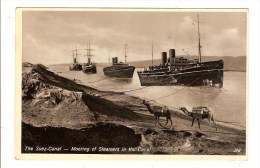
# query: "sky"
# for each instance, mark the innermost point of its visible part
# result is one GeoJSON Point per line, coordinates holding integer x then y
{"type": "Point", "coordinates": [48, 37]}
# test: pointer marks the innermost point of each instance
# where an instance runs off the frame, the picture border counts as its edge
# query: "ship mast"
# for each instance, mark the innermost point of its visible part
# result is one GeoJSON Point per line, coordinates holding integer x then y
{"type": "Point", "coordinates": [73, 57]}
{"type": "Point", "coordinates": [125, 52]}
{"type": "Point", "coordinates": [76, 54]}
{"type": "Point", "coordinates": [108, 56]}
{"type": "Point", "coordinates": [152, 52]}
{"type": "Point", "coordinates": [199, 46]}
{"type": "Point", "coordinates": [88, 49]}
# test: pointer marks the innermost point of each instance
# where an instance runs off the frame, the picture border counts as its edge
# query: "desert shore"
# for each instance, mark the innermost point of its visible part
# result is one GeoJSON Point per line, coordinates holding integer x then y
{"type": "Point", "coordinates": [62, 116]}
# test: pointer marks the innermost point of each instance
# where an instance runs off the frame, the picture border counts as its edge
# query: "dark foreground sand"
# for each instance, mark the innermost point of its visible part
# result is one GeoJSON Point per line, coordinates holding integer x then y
{"type": "Point", "coordinates": [62, 116]}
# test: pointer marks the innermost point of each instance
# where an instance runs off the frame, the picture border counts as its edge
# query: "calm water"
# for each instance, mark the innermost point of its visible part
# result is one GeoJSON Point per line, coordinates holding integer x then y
{"type": "Point", "coordinates": [228, 104]}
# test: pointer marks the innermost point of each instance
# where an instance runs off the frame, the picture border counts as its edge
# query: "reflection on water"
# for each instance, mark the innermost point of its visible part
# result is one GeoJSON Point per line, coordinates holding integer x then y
{"type": "Point", "coordinates": [227, 104]}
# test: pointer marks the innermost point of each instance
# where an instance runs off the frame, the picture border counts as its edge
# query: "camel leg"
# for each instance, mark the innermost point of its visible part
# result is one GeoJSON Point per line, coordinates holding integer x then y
{"type": "Point", "coordinates": [171, 122]}
{"type": "Point", "coordinates": [209, 121]}
{"type": "Point", "coordinates": [158, 118]}
{"type": "Point", "coordinates": [158, 121]}
{"type": "Point", "coordinates": [198, 122]}
{"type": "Point", "coordinates": [214, 123]}
{"type": "Point", "coordinates": [167, 120]}
{"type": "Point", "coordinates": [155, 121]}
{"type": "Point", "coordinates": [192, 121]}
{"type": "Point", "coordinates": [166, 123]}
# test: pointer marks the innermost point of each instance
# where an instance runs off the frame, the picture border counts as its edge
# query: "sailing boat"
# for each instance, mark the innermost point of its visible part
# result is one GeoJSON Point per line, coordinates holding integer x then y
{"type": "Point", "coordinates": [75, 66]}
{"type": "Point", "coordinates": [89, 67]}
{"type": "Point", "coordinates": [119, 69]}
{"type": "Point", "coordinates": [182, 71]}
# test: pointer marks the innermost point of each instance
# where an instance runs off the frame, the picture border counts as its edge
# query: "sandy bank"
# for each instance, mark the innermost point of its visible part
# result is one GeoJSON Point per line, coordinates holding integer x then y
{"type": "Point", "coordinates": [56, 104]}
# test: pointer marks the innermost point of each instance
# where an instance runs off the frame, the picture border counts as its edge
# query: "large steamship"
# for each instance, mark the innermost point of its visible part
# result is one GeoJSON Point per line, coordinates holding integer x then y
{"type": "Point", "coordinates": [183, 71]}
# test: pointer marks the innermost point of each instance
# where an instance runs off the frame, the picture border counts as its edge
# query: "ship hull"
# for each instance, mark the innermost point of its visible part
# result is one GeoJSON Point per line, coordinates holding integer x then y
{"type": "Point", "coordinates": [75, 67]}
{"type": "Point", "coordinates": [90, 69]}
{"type": "Point", "coordinates": [126, 72]}
{"type": "Point", "coordinates": [208, 74]}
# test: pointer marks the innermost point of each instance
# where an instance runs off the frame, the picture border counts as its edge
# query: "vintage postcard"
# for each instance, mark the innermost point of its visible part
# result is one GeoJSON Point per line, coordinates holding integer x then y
{"type": "Point", "coordinates": [131, 83]}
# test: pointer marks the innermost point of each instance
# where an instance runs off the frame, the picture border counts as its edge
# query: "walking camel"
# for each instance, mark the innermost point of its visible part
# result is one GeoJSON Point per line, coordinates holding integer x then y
{"type": "Point", "coordinates": [196, 115]}
{"type": "Point", "coordinates": [158, 112]}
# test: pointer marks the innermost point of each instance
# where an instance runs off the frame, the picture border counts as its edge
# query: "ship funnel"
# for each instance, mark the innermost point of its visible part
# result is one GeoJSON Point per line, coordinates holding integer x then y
{"type": "Point", "coordinates": [115, 60]}
{"type": "Point", "coordinates": [88, 60]}
{"type": "Point", "coordinates": [164, 58]}
{"type": "Point", "coordinates": [74, 59]}
{"type": "Point", "coordinates": [172, 55]}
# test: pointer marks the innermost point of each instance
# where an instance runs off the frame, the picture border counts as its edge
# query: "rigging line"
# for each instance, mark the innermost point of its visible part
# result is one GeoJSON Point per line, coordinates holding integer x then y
{"type": "Point", "coordinates": [134, 89]}
{"type": "Point", "coordinates": [97, 80]}
{"type": "Point", "coordinates": [124, 91]}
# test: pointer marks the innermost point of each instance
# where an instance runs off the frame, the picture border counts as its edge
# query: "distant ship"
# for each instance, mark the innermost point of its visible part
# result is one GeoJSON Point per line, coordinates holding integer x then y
{"type": "Point", "coordinates": [119, 70]}
{"type": "Point", "coordinates": [89, 67]}
{"type": "Point", "coordinates": [75, 66]}
{"type": "Point", "coordinates": [182, 71]}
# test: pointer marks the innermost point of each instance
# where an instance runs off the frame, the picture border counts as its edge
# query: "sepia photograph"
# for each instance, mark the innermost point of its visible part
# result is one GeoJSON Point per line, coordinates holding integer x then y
{"type": "Point", "coordinates": [118, 81]}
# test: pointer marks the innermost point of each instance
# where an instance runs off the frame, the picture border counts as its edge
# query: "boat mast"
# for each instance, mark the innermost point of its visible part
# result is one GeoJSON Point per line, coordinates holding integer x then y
{"type": "Point", "coordinates": [73, 56]}
{"type": "Point", "coordinates": [199, 46]}
{"type": "Point", "coordinates": [108, 56]}
{"type": "Point", "coordinates": [152, 52]}
{"type": "Point", "coordinates": [88, 49]}
{"type": "Point", "coordinates": [125, 52]}
{"type": "Point", "coordinates": [76, 53]}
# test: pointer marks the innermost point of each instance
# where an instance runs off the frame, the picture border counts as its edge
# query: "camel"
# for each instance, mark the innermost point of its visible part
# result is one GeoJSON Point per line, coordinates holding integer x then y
{"type": "Point", "coordinates": [205, 114]}
{"type": "Point", "coordinates": [158, 112]}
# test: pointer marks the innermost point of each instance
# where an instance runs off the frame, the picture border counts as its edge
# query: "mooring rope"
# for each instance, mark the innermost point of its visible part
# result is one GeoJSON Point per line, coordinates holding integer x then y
{"type": "Point", "coordinates": [176, 91]}
{"type": "Point", "coordinates": [134, 89]}
{"type": "Point", "coordinates": [98, 80]}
